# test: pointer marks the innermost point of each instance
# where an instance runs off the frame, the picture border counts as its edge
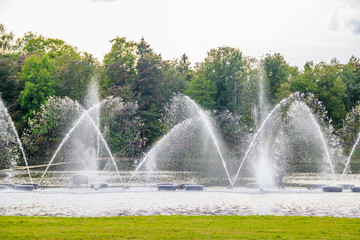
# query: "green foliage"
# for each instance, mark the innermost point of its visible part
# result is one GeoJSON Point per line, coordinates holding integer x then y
{"type": "Point", "coordinates": [202, 91]}
{"type": "Point", "coordinates": [122, 128]}
{"type": "Point", "coordinates": [47, 128]}
{"type": "Point", "coordinates": [32, 43]}
{"type": "Point", "coordinates": [147, 90]}
{"type": "Point", "coordinates": [73, 79]}
{"type": "Point", "coordinates": [283, 91]}
{"type": "Point", "coordinates": [6, 40]}
{"type": "Point", "coordinates": [183, 66]}
{"type": "Point", "coordinates": [153, 129]}
{"type": "Point", "coordinates": [73, 70]}
{"type": "Point", "coordinates": [276, 73]}
{"type": "Point", "coordinates": [350, 75]}
{"type": "Point", "coordinates": [224, 67]}
{"type": "Point", "coordinates": [37, 74]}
{"type": "Point", "coordinates": [9, 80]}
{"type": "Point", "coordinates": [36, 67]}
{"type": "Point", "coordinates": [120, 68]}
{"type": "Point", "coordinates": [324, 82]}
{"type": "Point", "coordinates": [247, 92]}
{"type": "Point", "coordinates": [173, 81]}
{"type": "Point", "coordinates": [143, 48]}
{"type": "Point", "coordinates": [146, 86]}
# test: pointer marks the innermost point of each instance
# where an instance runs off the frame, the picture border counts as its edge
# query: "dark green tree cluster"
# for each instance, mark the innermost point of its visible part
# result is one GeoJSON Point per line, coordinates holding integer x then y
{"type": "Point", "coordinates": [335, 84]}
{"type": "Point", "coordinates": [35, 68]}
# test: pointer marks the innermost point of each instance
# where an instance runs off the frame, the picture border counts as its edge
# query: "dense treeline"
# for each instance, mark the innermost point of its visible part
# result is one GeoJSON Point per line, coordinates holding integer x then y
{"type": "Point", "coordinates": [35, 68]}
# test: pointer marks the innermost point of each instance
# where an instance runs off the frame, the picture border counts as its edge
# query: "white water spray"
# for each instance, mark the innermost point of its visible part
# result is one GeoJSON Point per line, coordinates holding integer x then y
{"type": "Point", "coordinates": [303, 105]}
{"type": "Point", "coordinates": [276, 108]}
{"type": "Point", "coordinates": [350, 156]}
{"type": "Point", "coordinates": [67, 136]}
{"type": "Point", "coordinates": [206, 120]}
{"type": "Point", "coordinates": [17, 137]}
{"type": "Point", "coordinates": [159, 143]}
{"type": "Point", "coordinates": [255, 137]}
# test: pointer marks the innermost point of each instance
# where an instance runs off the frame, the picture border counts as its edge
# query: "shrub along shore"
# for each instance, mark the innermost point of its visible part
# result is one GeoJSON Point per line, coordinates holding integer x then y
{"type": "Point", "coordinates": [179, 227]}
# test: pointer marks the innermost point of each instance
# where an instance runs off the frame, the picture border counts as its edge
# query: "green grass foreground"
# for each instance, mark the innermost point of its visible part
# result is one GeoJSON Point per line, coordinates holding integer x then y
{"type": "Point", "coordinates": [180, 227]}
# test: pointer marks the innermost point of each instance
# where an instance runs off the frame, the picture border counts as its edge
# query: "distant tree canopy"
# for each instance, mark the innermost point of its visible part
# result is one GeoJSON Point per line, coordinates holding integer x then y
{"type": "Point", "coordinates": [38, 76]}
{"type": "Point", "coordinates": [34, 69]}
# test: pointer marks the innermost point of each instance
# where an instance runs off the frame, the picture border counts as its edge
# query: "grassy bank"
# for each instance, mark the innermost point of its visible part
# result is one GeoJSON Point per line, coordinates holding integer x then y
{"type": "Point", "coordinates": [180, 227]}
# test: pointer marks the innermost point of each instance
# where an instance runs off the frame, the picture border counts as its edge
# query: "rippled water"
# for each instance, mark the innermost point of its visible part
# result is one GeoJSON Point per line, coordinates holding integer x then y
{"type": "Point", "coordinates": [148, 201]}
{"type": "Point", "coordinates": [215, 200]}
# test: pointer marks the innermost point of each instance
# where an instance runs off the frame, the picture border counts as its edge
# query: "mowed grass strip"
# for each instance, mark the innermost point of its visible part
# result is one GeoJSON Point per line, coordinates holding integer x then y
{"type": "Point", "coordinates": [179, 227]}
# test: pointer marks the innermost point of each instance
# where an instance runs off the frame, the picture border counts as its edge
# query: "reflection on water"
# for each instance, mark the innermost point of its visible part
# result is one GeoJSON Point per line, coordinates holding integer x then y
{"type": "Point", "coordinates": [64, 178]}
{"type": "Point", "coordinates": [143, 199]}
{"type": "Point", "coordinates": [119, 202]}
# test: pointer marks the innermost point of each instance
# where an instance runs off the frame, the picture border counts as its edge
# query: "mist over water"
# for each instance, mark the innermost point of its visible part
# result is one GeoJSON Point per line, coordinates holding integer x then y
{"type": "Point", "coordinates": [9, 134]}
{"type": "Point", "coordinates": [192, 144]}
{"type": "Point", "coordinates": [289, 140]}
{"type": "Point", "coordinates": [86, 150]}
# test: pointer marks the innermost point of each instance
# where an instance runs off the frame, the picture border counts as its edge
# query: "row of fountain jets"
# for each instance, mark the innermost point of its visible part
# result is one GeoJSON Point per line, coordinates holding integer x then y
{"type": "Point", "coordinates": [95, 105]}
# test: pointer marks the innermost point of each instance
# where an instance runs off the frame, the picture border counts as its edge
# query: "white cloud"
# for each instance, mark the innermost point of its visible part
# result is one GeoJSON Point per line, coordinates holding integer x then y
{"type": "Point", "coordinates": [345, 18]}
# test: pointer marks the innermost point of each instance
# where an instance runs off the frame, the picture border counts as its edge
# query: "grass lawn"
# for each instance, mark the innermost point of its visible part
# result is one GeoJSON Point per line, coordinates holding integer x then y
{"type": "Point", "coordinates": [180, 227]}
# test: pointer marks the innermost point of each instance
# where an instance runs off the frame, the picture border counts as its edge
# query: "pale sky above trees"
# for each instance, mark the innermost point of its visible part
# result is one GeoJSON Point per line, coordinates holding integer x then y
{"type": "Point", "coordinates": [299, 30]}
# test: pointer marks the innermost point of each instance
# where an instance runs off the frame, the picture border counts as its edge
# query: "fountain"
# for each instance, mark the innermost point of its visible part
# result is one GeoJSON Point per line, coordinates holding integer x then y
{"type": "Point", "coordinates": [264, 171]}
{"type": "Point", "coordinates": [346, 168]}
{"type": "Point", "coordinates": [191, 147]}
{"type": "Point", "coordinates": [297, 100]}
{"type": "Point", "coordinates": [89, 138]}
{"type": "Point", "coordinates": [6, 127]}
{"type": "Point", "coordinates": [194, 115]}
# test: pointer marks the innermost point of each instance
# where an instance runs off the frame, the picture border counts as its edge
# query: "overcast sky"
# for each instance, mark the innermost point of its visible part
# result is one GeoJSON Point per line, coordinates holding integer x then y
{"type": "Point", "coordinates": [317, 30]}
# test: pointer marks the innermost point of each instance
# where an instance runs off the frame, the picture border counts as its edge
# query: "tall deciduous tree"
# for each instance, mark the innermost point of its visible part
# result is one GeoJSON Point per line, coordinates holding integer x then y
{"type": "Point", "coordinates": [72, 79]}
{"type": "Point", "coordinates": [37, 74]}
{"type": "Point", "coordinates": [120, 68]}
{"type": "Point", "coordinates": [224, 67]}
{"type": "Point", "coordinates": [350, 74]}
{"type": "Point", "coordinates": [276, 73]}
{"type": "Point", "coordinates": [6, 40]}
{"type": "Point", "coordinates": [324, 82]}
{"type": "Point", "coordinates": [202, 91]}
{"type": "Point", "coordinates": [9, 81]}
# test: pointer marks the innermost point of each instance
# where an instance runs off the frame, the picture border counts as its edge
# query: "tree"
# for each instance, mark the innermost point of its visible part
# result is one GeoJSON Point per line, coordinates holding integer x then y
{"type": "Point", "coordinates": [202, 91]}
{"type": "Point", "coordinates": [224, 67]}
{"type": "Point", "coordinates": [73, 70]}
{"type": "Point", "coordinates": [276, 73]}
{"type": "Point", "coordinates": [47, 128]}
{"type": "Point", "coordinates": [147, 90]}
{"type": "Point", "coordinates": [9, 81]}
{"type": "Point", "coordinates": [37, 74]}
{"type": "Point", "coordinates": [183, 66]}
{"type": "Point", "coordinates": [75, 77]}
{"type": "Point", "coordinates": [122, 127]}
{"type": "Point", "coordinates": [323, 81]}
{"type": "Point", "coordinates": [143, 48]}
{"type": "Point", "coordinates": [120, 68]}
{"type": "Point", "coordinates": [32, 43]}
{"type": "Point", "coordinates": [173, 81]}
{"type": "Point", "coordinates": [6, 40]}
{"type": "Point", "coordinates": [305, 82]}
{"type": "Point", "coordinates": [350, 74]}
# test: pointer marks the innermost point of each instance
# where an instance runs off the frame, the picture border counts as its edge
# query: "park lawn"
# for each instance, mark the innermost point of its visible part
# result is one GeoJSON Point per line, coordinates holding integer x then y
{"type": "Point", "coordinates": [179, 227]}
